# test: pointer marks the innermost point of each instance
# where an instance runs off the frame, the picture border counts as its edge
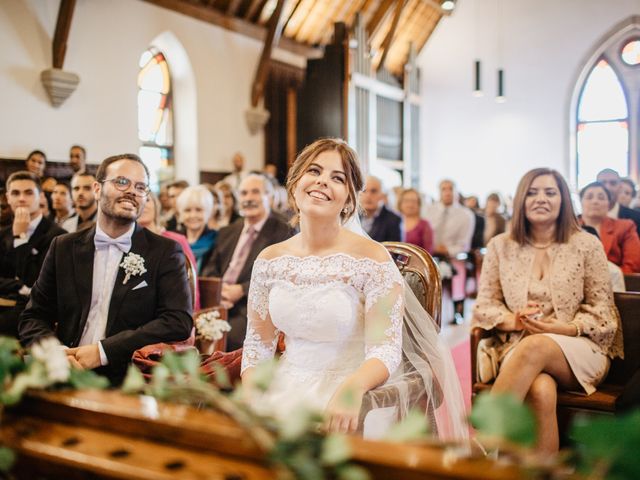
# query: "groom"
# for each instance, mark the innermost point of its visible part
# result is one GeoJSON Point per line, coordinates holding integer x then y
{"type": "Point", "coordinates": [108, 290]}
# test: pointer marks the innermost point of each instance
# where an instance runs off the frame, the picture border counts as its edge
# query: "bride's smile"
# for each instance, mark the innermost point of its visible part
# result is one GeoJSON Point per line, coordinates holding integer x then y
{"type": "Point", "coordinates": [323, 187]}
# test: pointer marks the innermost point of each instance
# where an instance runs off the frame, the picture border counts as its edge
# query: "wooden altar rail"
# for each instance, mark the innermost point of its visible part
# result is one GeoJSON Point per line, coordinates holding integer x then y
{"type": "Point", "coordinates": [93, 434]}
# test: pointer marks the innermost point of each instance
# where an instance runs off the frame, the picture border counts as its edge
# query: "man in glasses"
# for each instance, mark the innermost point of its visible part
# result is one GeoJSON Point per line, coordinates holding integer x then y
{"type": "Point", "coordinates": [611, 181]}
{"type": "Point", "coordinates": [115, 287]}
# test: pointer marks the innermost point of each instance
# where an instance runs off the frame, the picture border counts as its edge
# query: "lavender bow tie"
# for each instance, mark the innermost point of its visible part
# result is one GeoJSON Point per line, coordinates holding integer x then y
{"type": "Point", "coordinates": [102, 241]}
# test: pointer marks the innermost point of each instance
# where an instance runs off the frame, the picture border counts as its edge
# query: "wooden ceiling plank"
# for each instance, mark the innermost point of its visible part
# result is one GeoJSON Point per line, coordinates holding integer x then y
{"type": "Point", "coordinates": [61, 35]}
{"type": "Point", "coordinates": [331, 15]}
{"type": "Point", "coordinates": [297, 19]}
{"type": "Point", "coordinates": [378, 17]}
{"type": "Point", "coordinates": [232, 9]}
{"type": "Point", "coordinates": [238, 25]}
{"type": "Point", "coordinates": [292, 12]}
{"type": "Point", "coordinates": [386, 45]}
{"type": "Point", "coordinates": [273, 37]}
{"type": "Point", "coordinates": [308, 21]}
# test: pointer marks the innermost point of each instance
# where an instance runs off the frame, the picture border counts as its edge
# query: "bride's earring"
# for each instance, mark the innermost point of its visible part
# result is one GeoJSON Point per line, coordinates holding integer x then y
{"type": "Point", "coordinates": [345, 210]}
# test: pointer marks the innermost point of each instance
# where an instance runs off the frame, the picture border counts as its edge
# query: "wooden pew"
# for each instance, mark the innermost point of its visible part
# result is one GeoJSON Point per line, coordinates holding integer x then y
{"type": "Point", "coordinates": [93, 434]}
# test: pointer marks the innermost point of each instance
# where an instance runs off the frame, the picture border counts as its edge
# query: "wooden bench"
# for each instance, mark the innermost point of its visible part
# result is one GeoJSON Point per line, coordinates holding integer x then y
{"type": "Point", "coordinates": [603, 401]}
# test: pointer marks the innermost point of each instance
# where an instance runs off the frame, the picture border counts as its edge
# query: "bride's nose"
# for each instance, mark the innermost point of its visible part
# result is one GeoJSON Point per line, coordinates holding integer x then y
{"type": "Point", "coordinates": [320, 180]}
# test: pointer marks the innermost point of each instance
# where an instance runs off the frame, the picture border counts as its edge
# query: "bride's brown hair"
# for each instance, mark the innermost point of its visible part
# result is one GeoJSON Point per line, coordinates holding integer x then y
{"type": "Point", "coordinates": [350, 163]}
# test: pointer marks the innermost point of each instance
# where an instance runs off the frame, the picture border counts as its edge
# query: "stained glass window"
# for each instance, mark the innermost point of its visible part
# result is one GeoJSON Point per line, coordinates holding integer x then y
{"type": "Point", "coordinates": [155, 113]}
{"type": "Point", "coordinates": [602, 137]}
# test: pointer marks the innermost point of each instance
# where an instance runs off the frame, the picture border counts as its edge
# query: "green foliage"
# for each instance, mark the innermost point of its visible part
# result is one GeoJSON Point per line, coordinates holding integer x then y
{"type": "Point", "coordinates": [7, 459]}
{"type": "Point", "coordinates": [87, 379]}
{"type": "Point", "coordinates": [503, 419]}
{"type": "Point", "coordinates": [335, 450]}
{"type": "Point", "coordinates": [608, 444]}
{"type": "Point", "coordinates": [412, 427]}
{"type": "Point", "coordinates": [133, 381]}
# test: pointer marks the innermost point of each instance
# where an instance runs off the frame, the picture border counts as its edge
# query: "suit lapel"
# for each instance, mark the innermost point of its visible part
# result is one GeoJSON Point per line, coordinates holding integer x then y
{"type": "Point", "coordinates": [139, 246]}
{"type": "Point", "coordinates": [234, 237]}
{"type": "Point", "coordinates": [606, 234]}
{"type": "Point", "coordinates": [260, 243]}
{"type": "Point", "coordinates": [83, 253]}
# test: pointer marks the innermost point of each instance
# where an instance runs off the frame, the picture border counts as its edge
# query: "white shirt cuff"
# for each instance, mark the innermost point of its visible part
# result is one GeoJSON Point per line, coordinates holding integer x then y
{"type": "Point", "coordinates": [103, 356]}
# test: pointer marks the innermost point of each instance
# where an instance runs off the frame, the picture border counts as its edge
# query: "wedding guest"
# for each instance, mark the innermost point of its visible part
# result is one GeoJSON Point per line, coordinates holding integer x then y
{"type": "Point", "coordinates": [611, 181]}
{"type": "Point", "coordinates": [215, 220]}
{"type": "Point", "coordinates": [97, 300]}
{"type": "Point", "coordinates": [494, 221]}
{"type": "Point", "coordinates": [150, 219]}
{"type": "Point", "coordinates": [229, 212]}
{"type": "Point", "coordinates": [618, 236]}
{"type": "Point", "coordinates": [62, 203]}
{"type": "Point", "coordinates": [627, 193]}
{"type": "Point", "coordinates": [84, 202]}
{"type": "Point", "coordinates": [238, 246]}
{"type": "Point", "coordinates": [6, 215]}
{"type": "Point", "coordinates": [36, 162]}
{"type": "Point", "coordinates": [78, 159]}
{"type": "Point", "coordinates": [545, 285]}
{"type": "Point", "coordinates": [23, 246]}
{"type": "Point", "coordinates": [194, 206]}
{"type": "Point", "coordinates": [416, 230]}
{"type": "Point", "coordinates": [239, 172]}
{"type": "Point", "coordinates": [378, 221]}
{"type": "Point", "coordinates": [174, 190]}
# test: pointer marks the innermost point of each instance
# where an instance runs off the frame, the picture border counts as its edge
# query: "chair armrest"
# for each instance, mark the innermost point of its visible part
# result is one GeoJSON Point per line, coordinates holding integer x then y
{"type": "Point", "coordinates": [477, 334]}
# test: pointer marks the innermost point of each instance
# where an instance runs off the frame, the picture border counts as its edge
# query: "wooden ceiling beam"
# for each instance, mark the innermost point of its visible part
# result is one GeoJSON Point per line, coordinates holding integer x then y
{"type": "Point", "coordinates": [378, 17]}
{"type": "Point", "coordinates": [386, 44]}
{"type": "Point", "coordinates": [234, 24]}
{"type": "Point", "coordinates": [253, 13]}
{"type": "Point", "coordinates": [61, 35]}
{"type": "Point", "coordinates": [273, 36]}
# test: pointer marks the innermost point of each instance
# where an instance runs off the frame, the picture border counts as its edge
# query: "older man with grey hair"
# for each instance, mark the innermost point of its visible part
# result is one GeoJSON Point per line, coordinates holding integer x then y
{"type": "Point", "coordinates": [378, 221]}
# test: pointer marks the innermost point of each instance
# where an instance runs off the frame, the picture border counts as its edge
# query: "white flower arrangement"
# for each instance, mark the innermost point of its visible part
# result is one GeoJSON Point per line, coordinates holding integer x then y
{"type": "Point", "coordinates": [133, 264]}
{"type": "Point", "coordinates": [211, 327]}
{"type": "Point", "coordinates": [52, 354]}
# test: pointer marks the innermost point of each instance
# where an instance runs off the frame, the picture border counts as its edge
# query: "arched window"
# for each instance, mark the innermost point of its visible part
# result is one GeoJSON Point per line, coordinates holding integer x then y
{"type": "Point", "coordinates": [155, 115]}
{"type": "Point", "coordinates": [606, 115]}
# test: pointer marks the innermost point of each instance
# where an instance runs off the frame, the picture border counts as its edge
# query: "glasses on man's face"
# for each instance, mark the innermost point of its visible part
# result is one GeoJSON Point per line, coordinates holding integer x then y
{"type": "Point", "coordinates": [123, 184]}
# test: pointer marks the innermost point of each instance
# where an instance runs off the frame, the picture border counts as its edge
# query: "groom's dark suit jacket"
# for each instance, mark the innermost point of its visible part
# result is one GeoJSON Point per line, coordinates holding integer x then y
{"type": "Point", "coordinates": [150, 308]}
{"type": "Point", "coordinates": [273, 231]}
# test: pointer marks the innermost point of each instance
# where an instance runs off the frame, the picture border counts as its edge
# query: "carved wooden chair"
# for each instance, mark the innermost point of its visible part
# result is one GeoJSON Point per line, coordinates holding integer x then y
{"type": "Point", "coordinates": [603, 400]}
{"type": "Point", "coordinates": [421, 273]}
{"type": "Point", "coordinates": [632, 282]}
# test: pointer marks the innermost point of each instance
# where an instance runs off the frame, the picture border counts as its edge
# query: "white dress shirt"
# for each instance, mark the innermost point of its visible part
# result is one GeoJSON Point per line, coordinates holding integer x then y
{"type": "Point", "coordinates": [33, 224]}
{"type": "Point", "coordinates": [452, 226]}
{"type": "Point", "coordinates": [106, 263]}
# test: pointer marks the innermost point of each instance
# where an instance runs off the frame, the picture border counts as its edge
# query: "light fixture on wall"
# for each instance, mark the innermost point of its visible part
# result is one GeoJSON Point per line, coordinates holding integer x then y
{"type": "Point", "coordinates": [477, 89]}
{"type": "Point", "coordinates": [448, 5]}
{"type": "Point", "coordinates": [500, 97]}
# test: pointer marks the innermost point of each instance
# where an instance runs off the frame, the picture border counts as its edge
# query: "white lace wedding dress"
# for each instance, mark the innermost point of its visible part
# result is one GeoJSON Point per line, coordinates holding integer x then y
{"type": "Point", "coordinates": [335, 311]}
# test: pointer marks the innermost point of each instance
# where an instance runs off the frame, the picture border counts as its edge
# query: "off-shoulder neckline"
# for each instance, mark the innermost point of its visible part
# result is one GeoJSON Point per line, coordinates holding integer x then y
{"type": "Point", "coordinates": [325, 257]}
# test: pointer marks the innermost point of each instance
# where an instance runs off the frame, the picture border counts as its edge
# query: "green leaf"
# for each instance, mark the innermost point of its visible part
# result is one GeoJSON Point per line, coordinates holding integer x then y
{"type": "Point", "coordinates": [159, 380]}
{"type": "Point", "coordinates": [172, 362]}
{"type": "Point", "coordinates": [412, 427]}
{"type": "Point", "coordinates": [134, 381]}
{"type": "Point", "coordinates": [263, 374]}
{"type": "Point", "coordinates": [353, 472]}
{"type": "Point", "coordinates": [502, 417]}
{"type": "Point", "coordinates": [87, 379]}
{"type": "Point", "coordinates": [335, 450]}
{"type": "Point", "coordinates": [34, 377]}
{"type": "Point", "coordinates": [611, 442]}
{"type": "Point", "coordinates": [191, 364]}
{"type": "Point", "coordinates": [221, 376]}
{"type": "Point", "coordinates": [7, 459]}
{"type": "Point", "coordinates": [296, 423]}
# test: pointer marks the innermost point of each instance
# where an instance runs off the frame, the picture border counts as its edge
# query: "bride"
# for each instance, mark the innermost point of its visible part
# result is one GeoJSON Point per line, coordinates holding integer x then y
{"type": "Point", "coordinates": [340, 301]}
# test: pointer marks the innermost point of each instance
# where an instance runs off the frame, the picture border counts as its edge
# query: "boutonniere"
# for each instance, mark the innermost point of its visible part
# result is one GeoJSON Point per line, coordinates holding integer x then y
{"type": "Point", "coordinates": [133, 264]}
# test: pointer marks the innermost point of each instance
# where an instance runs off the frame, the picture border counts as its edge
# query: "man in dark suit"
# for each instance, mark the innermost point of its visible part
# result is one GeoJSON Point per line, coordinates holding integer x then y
{"type": "Point", "coordinates": [23, 246]}
{"type": "Point", "coordinates": [238, 246]}
{"type": "Point", "coordinates": [378, 221]}
{"type": "Point", "coordinates": [611, 181]}
{"type": "Point", "coordinates": [115, 287]}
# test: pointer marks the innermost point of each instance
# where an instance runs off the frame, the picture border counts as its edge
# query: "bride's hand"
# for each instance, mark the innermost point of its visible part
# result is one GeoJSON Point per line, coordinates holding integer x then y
{"type": "Point", "coordinates": [343, 410]}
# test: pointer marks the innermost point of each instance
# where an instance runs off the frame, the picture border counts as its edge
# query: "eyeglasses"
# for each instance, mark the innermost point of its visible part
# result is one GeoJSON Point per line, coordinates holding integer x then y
{"type": "Point", "coordinates": [123, 183]}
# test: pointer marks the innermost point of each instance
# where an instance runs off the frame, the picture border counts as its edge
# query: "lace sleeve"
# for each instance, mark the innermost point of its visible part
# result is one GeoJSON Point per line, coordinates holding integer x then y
{"type": "Point", "coordinates": [262, 337]}
{"type": "Point", "coordinates": [384, 306]}
{"type": "Point", "coordinates": [490, 309]}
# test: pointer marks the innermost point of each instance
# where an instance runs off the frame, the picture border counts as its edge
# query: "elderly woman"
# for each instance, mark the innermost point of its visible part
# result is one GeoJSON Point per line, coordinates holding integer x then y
{"type": "Point", "coordinates": [417, 230]}
{"type": "Point", "coordinates": [229, 213]}
{"type": "Point", "coordinates": [195, 206]}
{"type": "Point", "coordinates": [618, 236]}
{"type": "Point", "coordinates": [545, 288]}
{"type": "Point", "coordinates": [150, 219]}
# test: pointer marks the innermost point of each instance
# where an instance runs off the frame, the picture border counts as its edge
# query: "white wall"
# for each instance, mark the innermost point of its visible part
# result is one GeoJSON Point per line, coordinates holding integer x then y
{"type": "Point", "coordinates": [487, 146]}
{"type": "Point", "coordinates": [105, 44]}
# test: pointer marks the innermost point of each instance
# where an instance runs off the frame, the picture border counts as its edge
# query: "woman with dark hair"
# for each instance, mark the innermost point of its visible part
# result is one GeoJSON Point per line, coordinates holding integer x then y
{"type": "Point", "coordinates": [494, 221]}
{"type": "Point", "coordinates": [627, 192]}
{"type": "Point", "coordinates": [618, 236]}
{"type": "Point", "coordinates": [545, 287]}
{"type": "Point", "coordinates": [229, 211]}
{"type": "Point", "coordinates": [342, 305]}
{"type": "Point", "coordinates": [417, 230]}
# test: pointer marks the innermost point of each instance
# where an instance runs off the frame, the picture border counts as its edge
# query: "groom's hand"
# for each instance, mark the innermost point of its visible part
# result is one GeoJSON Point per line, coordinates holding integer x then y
{"type": "Point", "coordinates": [88, 356]}
{"type": "Point", "coordinates": [231, 293]}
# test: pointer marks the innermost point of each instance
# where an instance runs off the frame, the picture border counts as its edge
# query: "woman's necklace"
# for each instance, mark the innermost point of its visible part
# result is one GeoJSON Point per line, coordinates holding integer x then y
{"type": "Point", "coordinates": [538, 246]}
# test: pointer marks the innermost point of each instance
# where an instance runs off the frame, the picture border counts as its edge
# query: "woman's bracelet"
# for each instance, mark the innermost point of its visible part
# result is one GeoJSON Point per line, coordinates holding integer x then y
{"type": "Point", "coordinates": [578, 329]}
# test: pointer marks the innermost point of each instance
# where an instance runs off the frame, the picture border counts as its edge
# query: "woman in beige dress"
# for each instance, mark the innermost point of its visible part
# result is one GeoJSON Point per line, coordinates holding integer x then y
{"type": "Point", "coordinates": [545, 286]}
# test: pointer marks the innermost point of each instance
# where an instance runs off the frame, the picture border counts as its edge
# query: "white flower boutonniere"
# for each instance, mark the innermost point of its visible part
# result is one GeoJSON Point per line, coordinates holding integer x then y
{"type": "Point", "coordinates": [133, 264]}
{"type": "Point", "coordinates": [211, 327]}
